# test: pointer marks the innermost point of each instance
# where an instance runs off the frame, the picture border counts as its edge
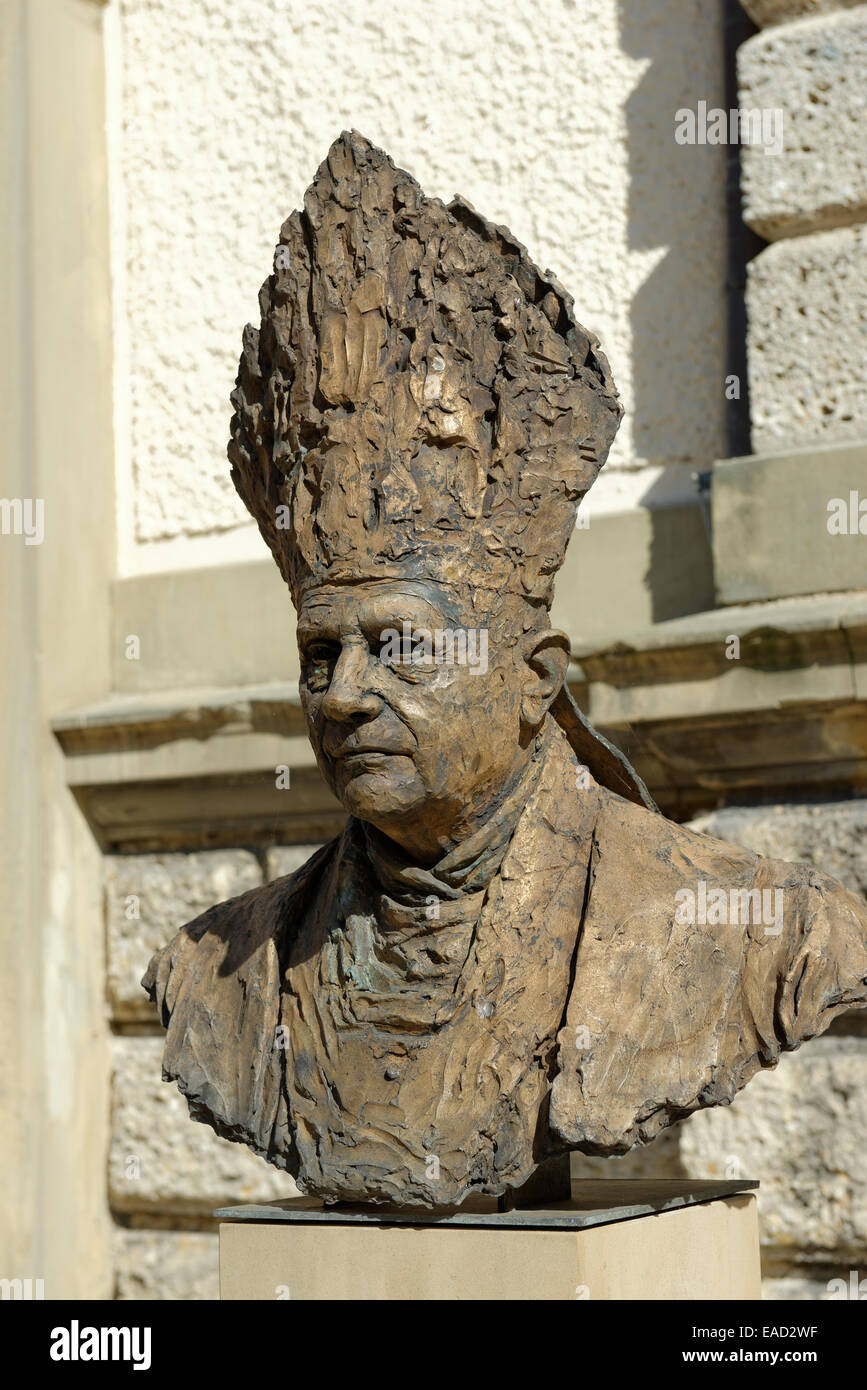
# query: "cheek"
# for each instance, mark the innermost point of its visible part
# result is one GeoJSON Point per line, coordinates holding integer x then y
{"type": "Point", "coordinates": [310, 706]}
{"type": "Point", "coordinates": [470, 720]}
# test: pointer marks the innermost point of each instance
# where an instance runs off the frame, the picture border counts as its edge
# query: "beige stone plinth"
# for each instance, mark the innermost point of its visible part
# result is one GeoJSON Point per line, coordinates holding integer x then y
{"type": "Point", "coordinates": [704, 1251]}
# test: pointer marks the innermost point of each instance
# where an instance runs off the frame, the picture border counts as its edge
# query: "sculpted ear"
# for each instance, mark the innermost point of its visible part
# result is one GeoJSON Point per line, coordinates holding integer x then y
{"type": "Point", "coordinates": [547, 658]}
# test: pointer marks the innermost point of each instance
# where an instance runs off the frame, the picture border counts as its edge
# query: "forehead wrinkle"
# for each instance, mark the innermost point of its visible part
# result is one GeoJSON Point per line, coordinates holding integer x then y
{"type": "Point", "coordinates": [411, 608]}
{"type": "Point", "coordinates": [380, 601]}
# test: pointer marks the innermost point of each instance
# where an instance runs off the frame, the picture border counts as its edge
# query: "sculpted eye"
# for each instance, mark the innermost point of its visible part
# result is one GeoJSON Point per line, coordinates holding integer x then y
{"type": "Point", "coordinates": [396, 650]}
{"type": "Point", "coordinates": [317, 662]}
{"type": "Point", "coordinates": [319, 652]}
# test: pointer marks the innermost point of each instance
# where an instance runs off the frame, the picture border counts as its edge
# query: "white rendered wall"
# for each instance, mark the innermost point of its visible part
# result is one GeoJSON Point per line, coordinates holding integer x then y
{"type": "Point", "coordinates": [553, 116]}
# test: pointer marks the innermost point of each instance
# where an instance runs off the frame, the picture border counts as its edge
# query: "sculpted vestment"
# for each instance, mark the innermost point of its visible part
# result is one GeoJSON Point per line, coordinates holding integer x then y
{"type": "Point", "coordinates": [537, 984]}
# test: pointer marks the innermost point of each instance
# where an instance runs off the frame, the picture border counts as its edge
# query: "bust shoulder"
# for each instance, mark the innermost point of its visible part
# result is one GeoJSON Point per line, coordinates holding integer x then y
{"type": "Point", "coordinates": [709, 958]}
{"type": "Point", "coordinates": [216, 986]}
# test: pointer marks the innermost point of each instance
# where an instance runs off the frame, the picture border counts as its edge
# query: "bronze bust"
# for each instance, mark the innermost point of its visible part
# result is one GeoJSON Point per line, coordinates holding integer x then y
{"type": "Point", "coordinates": [509, 953]}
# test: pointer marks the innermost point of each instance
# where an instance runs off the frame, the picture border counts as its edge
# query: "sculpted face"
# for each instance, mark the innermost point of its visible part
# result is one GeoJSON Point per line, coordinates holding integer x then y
{"type": "Point", "coordinates": [422, 748]}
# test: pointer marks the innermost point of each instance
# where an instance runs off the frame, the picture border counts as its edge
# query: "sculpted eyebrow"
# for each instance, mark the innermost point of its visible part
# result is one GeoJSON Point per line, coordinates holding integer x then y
{"type": "Point", "coordinates": [307, 635]}
{"type": "Point", "coordinates": [376, 622]}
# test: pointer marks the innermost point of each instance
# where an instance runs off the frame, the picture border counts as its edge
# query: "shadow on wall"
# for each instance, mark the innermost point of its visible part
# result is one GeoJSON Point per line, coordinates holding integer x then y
{"type": "Point", "coordinates": [676, 204]}
{"type": "Point", "coordinates": [679, 577]}
{"type": "Point", "coordinates": [644, 564]}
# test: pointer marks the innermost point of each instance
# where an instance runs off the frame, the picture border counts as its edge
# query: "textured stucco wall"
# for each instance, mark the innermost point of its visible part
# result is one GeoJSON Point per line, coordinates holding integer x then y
{"type": "Point", "coordinates": [555, 117]}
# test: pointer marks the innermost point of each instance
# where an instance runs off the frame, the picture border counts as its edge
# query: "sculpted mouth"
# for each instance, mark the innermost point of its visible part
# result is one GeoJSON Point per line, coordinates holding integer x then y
{"type": "Point", "coordinates": [345, 755]}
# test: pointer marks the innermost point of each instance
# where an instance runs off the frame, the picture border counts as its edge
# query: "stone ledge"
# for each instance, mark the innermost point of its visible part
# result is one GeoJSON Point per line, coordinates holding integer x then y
{"type": "Point", "coordinates": [645, 564]}
{"type": "Point", "coordinates": [696, 643]}
{"type": "Point", "coordinates": [788, 717]}
{"type": "Point", "coordinates": [168, 713]}
{"type": "Point", "coordinates": [792, 653]}
{"type": "Point", "coordinates": [196, 769]}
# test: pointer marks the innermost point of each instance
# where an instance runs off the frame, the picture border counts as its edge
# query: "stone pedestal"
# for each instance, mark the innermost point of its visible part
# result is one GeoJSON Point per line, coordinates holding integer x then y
{"type": "Point", "coordinates": [615, 1239]}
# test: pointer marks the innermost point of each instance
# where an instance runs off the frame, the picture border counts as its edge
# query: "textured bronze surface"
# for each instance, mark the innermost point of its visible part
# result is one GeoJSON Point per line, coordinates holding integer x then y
{"type": "Point", "coordinates": [508, 953]}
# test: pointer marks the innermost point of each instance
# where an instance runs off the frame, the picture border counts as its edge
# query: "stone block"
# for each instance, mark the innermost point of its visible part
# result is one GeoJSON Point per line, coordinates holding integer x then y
{"type": "Point", "coordinates": [764, 549]}
{"type": "Point", "coordinates": [148, 898]}
{"type": "Point", "coordinates": [832, 835]}
{"type": "Point", "coordinates": [814, 75]}
{"type": "Point", "coordinates": [801, 1129]}
{"type": "Point", "coordinates": [794, 1289]}
{"type": "Point", "coordinates": [160, 1160]}
{"type": "Point", "coordinates": [763, 12]}
{"type": "Point", "coordinates": [706, 1250]}
{"type": "Point", "coordinates": [807, 340]}
{"type": "Point", "coordinates": [174, 1266]}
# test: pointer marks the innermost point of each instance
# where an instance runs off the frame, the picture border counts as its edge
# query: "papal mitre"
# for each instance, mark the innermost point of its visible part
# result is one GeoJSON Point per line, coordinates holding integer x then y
{"type": "Point", "coordinates": [419, 402]}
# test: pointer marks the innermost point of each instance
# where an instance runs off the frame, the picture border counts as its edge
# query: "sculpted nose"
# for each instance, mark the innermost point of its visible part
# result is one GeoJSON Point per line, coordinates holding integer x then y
{"type": "Point", "coordinates": [349, 695]}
